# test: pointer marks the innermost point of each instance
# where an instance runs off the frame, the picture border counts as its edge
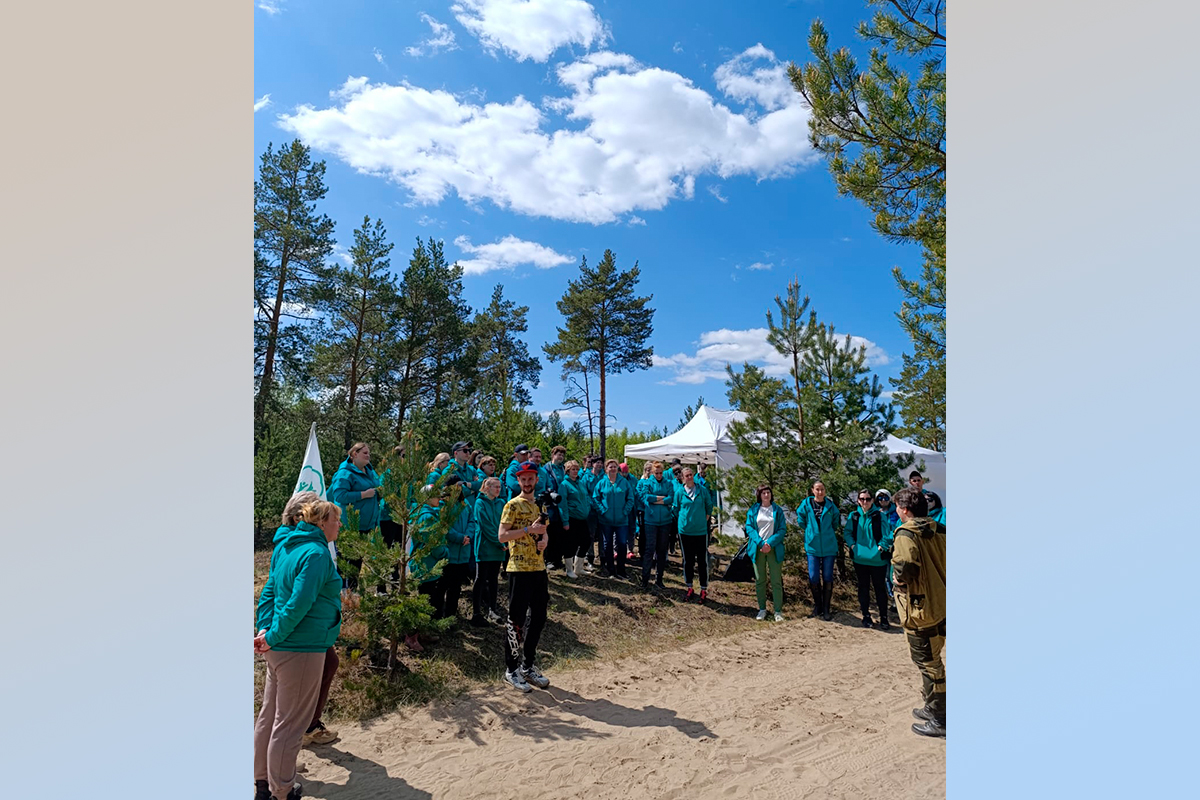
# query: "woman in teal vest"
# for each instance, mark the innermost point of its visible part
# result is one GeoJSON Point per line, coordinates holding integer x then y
{"type": "Point", "coordinates": [692, 506]}
{"type": "Point", "coordinates": [868, 536]}
{"type": "Point", "coordinates": [818, 517]}
{"type": "Point", "coordinates": [295, 629]}
{"type": "Point", "coordinates": [766, 527]}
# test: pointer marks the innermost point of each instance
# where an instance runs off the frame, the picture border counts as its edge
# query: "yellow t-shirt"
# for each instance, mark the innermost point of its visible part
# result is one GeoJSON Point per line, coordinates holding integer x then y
{"type": "Point", "coordinates": [523, 555]}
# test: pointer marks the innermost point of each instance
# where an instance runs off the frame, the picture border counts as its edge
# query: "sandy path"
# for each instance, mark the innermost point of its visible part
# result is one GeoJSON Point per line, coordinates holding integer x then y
{"type": "Point", "coordinates": [794, 710]}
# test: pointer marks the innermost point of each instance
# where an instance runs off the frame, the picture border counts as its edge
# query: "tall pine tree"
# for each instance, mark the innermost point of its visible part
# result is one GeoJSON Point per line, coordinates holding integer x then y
{"type": "Point", "coordinates": [606, 322]}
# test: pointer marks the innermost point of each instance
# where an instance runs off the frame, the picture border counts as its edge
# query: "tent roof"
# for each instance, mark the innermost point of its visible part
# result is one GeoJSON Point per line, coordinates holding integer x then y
{"type": "Point", "coordinates": [703, 439]}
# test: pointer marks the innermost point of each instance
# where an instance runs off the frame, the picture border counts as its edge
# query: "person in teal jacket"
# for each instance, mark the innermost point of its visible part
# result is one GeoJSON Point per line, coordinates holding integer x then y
{"type": "Point", "coordinates": [657, 496]}
{"type": "Point", "coordinates": [356, 485]}
{"type": "Point", "coordinates": [819, 518]}
{"type": "Point", "coordinates": [489, 553]}
{"type": "Point", "coordinates": [593, 470]}
{"type": "Point", "coordinates": [614, 502]}
{"type": "Point", "coordinates": [766, 528]}
{"type": "Point", "coordinates": [692, 506]}
{"type": "Point", "coordinates": [423, 536]}
{"type": "Point", "coordinates": [868, 536]}
{"type": "Point", "coordinates": [575, 507]}
{"type": "Point", "coordinates": [459, 550]}
{"type": "Point", "coordinates": [302, 622]}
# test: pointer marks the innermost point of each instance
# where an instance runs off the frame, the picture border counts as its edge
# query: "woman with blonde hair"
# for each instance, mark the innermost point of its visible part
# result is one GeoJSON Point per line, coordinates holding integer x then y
{"type": "Point", "coordinates": [296, 627]}
{"type": "Point", "coordinates": [436, 466]}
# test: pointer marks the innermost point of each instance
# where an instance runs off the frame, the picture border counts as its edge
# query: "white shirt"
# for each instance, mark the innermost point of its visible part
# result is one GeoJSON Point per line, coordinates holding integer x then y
{"type": "Point", "coordinates": [766, 522]}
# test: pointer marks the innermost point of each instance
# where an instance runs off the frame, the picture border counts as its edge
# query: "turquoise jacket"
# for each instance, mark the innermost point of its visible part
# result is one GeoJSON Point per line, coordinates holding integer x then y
{"type": "Point", "coordinates": [692, 512]}
{"type": "Point", "coordinates": [427, 519]}
{"type": "Point", "coordinates": [648, 490]}
{"type": "Point", "coordinates": [559, 472]}
{"type": "Point", "coordinates": [865, 534]}
{"type": "Point", "coordinates": [469, 478]}
{"type": "Point", "coordinates": [346, 488]}
{"type": "Point", "coordinates": [575, 498]}
{"type": "Point", "coordinates": [820, 535]}
{"type": "Point", "coordinates": [589, 483]}
{"type": "Point", "coordinates": [754, 536]}
{"type": "Point", "coordinates": [456, 551]}
{"type": "Point", "coordinates": [614, 501]}
{"type": "Point", "coordinates": [305, 593]}
{"type": "Point", "coordinates": [266, 600]}
{"type": "Point", "coordinates": [545, 479]}
{"type": "Point", "coordinates": [487, 528]}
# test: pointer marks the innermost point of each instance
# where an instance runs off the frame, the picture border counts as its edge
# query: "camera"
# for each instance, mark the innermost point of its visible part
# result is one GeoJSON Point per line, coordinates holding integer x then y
{"type": "Point", "coordinates": [547, 500]}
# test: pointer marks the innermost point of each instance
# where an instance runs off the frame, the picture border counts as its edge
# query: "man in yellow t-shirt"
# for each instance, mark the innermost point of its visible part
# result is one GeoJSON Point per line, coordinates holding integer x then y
{"type": "Point", "coordinates": [524, 533]}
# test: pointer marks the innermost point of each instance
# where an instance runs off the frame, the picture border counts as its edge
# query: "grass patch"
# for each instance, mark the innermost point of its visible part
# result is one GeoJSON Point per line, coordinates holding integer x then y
{"type": "Point", "coordinates": [590, 620]}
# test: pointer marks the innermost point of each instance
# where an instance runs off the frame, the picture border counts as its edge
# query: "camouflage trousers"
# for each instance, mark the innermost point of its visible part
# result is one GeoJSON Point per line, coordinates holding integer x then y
{"type": "Point", "coordinates": [925, 646]}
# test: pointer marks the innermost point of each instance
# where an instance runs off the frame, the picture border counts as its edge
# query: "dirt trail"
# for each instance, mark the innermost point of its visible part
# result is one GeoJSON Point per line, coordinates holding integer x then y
{"type": "Point", "coordinates": [793, 710]}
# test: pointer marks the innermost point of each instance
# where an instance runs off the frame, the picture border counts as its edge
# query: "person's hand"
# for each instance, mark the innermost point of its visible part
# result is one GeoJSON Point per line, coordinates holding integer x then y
{"type": "Point", "coordinates": [537, 529]}
{"type": "Point", "coordinates": [369, 493]}
{"type": "Point", "coordinates": [766, 548]}
{"type": "Point", "coordinates": [260, 642]}
{"type": "Point", "coordinates": [466, 539]}
{"type": "Point", "coordinates": [542, 541]}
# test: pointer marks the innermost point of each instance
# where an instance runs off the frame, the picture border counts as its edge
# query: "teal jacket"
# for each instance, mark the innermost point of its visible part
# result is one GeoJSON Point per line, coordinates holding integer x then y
{"type": "Point", "coordinates": [456, 551]}
{"type": "Point", "coordinates": [487, 528]}
{"type": "Point", "coordinates": [648, 490]}
{"type": "Point", "coordinates": [754, 536]}
{"type": "Point", "coordinates": [470, 479]}
{"type": "Point", "coordinates": [545, 479]}
{"type": "Point", "coordinates": [427, 519]}
{"type": "Point", "coordinates": [692, 512]}
{"type": "Point", "coordinates": [346, 488]}
{"type": "Point", "coordinates": [865, 534]}
{"type": "Point", "coordinates": [589, 483]}
{"type": "Point", "coordinates": [266, 600]}
{"type": "Point", "coordinates": [820, 535]}
{"type": "Point", "coordinates": [304, 591]}
{"type": "Point", "coordinates": [614, 501]}
{"type": "Point", "coordinates": [575, 498]}
{"type": "Point", "coordinates": [559, 472]}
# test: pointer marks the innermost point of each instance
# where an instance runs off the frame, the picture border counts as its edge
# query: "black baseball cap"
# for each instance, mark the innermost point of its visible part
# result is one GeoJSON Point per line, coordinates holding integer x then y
{"type": "Point", "coordinates": [521, 448]}
{"type": "Point", "coordinates": [460, 446]}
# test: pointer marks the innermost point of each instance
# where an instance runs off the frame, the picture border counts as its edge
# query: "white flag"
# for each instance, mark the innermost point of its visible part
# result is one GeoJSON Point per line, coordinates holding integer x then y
{"type": "Point", "coordinates": [312, 476]}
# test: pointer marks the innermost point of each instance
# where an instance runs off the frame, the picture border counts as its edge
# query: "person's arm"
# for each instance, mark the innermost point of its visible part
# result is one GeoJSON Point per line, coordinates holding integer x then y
{"type": "Point", "coordinates": [752, 533]}
{"type": "Point", "coordinates": [850, 533]}
{"type": "Point", "coordinates": [309, 578]}
{"type": "Point", "coordinates": [266, 601]}
{"type": "Point", "coordinates": [906, 562]}
{"type": "Point", "coordinates": [339, 490]}
{"type": "Point", "coordinates": [887, 540]}
{"type": "Point", "coordinates": [628, 505]}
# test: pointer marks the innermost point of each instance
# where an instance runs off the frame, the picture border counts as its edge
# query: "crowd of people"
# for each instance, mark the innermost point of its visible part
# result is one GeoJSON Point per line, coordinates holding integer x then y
{"type": "Point", "coordinates": [534, 517]}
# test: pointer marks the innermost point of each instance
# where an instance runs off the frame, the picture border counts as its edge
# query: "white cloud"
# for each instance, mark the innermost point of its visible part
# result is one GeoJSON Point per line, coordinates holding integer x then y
{"type": "Point", "coordinates": [677, 48]}
{"type": "Point", "coordinates": [508, 253]}
{"type": "Point", "coordinates": [758, 265]}
{"type": "Point", "coordinates": [262, 102]}
{"type": "Point", "coordinates": [757, 75]}
{"type": "Point", "coordinates": [715, 191]}
{"type": "Point", "coordinates": [379, 56]}
{"type": "Point", "coordinates": [440, 38]}
{"type": "Point", "coordinates": [636, 220]}
{"type": "Point", "coordinates": [530, 29]}
{"type": "Point", "coordinates": [640, 137]}
{"type": "Point", "coordinates": [425, 220]}
{"type": "Point", "coordinates": [272, 7]}
{"type": "Point", "coordinates": [565, 413]}
{"type": "Point", "coordinates": [721, 347]}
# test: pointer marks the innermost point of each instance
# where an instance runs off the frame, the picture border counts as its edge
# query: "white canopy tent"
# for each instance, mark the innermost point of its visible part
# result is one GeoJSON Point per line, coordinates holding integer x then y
{"type": "Point", "coordinates": [706, 440]}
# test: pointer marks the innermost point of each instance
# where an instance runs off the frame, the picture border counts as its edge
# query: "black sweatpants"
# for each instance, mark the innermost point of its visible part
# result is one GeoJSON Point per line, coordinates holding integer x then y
{"type": "Point", "coordinates": [453, 578]}
{"type": "Point", "coordinates": [580, 538]}
{"type": "Point", "coordinates": [436, 592]}
{"type": "Point", "coordinates": [483, 595]}
{"type": "Point", "coordinates": [695, 552]}
{"type": "Point", "coordinates": [869, 576]}
{"type": "Point", "coordinates": [527, 591]}
{"type": "Point", "coordinates": [655, 550]}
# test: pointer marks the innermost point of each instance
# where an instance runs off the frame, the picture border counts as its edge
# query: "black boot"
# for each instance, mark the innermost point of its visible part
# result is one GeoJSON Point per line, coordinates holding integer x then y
{"type": "Point", "coordinates": [827, 597]}
{"type": "Point", "coordinates": [815, 588]}
{"type": "Point", "coordinates": [931, 727]}
{"type": "Point", "coordinates": [883, 617]}
{"type": "Point", "coordinates": [262, 790]}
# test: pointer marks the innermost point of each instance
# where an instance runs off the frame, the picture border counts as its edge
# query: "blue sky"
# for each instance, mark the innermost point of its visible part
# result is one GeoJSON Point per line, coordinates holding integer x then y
{"type": "Point", "coordinates": [528, 133]}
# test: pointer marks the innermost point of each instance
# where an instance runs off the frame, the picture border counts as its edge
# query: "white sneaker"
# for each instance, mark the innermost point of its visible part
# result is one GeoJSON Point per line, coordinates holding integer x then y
{"type": "Point", "coordinates": [550, 566]}
{"type": "Point", "coordinates": [762, 614]}
{"type": "Point", "coordinates": [517, 680]}
{"type": "Point", "coordinates": [778, 617]}
{"type": "Point", "coordinates": [534, 675]}
{"type": "Point", "coordinates": [587, 566]}
{"type": "Point", "coordinates": [492, 616]}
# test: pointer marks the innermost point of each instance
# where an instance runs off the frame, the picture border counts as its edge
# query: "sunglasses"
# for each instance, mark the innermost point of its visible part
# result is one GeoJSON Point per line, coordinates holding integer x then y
{"type": "Point", "coordinates": [864, 499]}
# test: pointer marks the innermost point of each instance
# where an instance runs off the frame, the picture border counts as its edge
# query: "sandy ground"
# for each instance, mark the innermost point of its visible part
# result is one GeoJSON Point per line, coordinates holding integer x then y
{"type": "Point", "coordinates": [794, 710]}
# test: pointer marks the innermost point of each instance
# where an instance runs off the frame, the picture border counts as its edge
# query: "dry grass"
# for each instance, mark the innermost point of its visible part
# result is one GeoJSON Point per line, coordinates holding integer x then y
{"type": "Point", "coordinates": [590, 620]}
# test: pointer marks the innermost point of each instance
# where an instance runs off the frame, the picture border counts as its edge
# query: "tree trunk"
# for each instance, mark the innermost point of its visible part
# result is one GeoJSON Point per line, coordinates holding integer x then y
{"type": "Point", "coordinates": [603, 406]}
{"type": "Point", "coordinates": [264, 385]}
{"type": "Point", "coordinates": [799, 405]}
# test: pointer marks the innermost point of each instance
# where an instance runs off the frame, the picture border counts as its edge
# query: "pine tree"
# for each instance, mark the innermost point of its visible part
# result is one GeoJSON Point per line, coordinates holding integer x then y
{"type": "Point", "coordinates": [689, 412]}
{"type": "Point", "coordinates": [291, 244]}
{"type": "Point", "coordinates": [355, 301]}
{"type": "Point", "coordinates": [885, 136]}
{"type": "Point", "coordinates": [607, 322]}
{"type": "Point", "coordinates": [503, 359]}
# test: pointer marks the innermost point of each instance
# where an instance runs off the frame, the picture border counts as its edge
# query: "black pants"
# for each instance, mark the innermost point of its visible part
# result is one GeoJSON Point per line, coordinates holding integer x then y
{"type": "Point", "coordinates": [594, 533]}
{"type": "Point", "coordinates": [869, 576]}
{"type": "Point", "coordinates": [556, 547]}
{"type": "Point", "coordinates": [655, 549]}
{"type": "Point", "coordinates": [436, 592]}
{"type": "Point", "coordinates": [483, 595]}
{"type": "Point", "coordinates": [580, 538]}
{"type": "Point", "coordinates": [695, 551]}
{"type": "Point", "coordinates": [453, 578]}
{"type": "Point", "coordinates": [350, 579]}
{"type": "Point", "coordinates": [527, 592]}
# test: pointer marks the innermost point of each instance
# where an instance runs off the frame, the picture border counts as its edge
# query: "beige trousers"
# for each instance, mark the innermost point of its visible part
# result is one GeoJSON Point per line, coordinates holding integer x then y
{"type": "Point", "coordinates": [289, 700]}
